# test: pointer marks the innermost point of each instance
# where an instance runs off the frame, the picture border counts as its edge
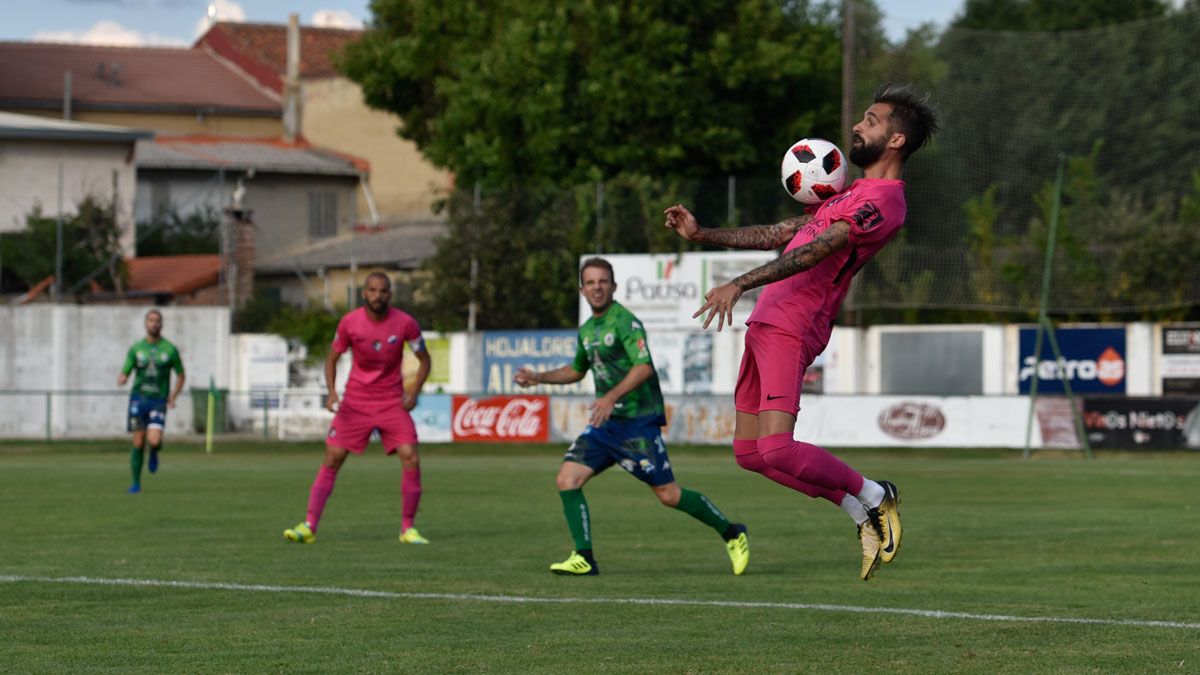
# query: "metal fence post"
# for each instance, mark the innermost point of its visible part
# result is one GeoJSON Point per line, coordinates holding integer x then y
{"type": "Point", "coordinates": [48, 414]}
{"type": "Point", "coordinates": [266, 414]}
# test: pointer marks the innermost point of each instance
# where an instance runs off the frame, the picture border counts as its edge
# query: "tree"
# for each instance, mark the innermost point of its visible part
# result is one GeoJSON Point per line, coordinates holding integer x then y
{"type": "Point", "coordinates": [537, 102]}
{"type": "Point", "coordinates": [91, 244]}
{"type": "Point", "coordinates": [564, 93]}
{"type": "Point", "coordinates": [1114, 100]}
{"type": "Point", "coordinates": [1055, 15]}
{"type": "Point", "coordinates": [170, 233]}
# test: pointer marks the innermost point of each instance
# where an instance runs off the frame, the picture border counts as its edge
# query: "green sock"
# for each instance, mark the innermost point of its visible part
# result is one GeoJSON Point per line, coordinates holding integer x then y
{"type": "Point", "coordinates": [699, 507]}
{"type": "Point", "coordinates": [575, 508]}
{"type": "Point", "coordinates": [136, 457]}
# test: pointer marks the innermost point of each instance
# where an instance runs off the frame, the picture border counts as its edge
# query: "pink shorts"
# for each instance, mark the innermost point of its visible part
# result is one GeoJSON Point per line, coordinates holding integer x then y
{"type": "Point", "coordinates": [355, 420]}
{"type": "Point", "coordinates": [772, 371]}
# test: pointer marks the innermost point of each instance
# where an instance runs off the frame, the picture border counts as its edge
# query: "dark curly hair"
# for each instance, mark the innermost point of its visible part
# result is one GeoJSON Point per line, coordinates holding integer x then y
{"type": "Point", "coordinates": [912, 114]}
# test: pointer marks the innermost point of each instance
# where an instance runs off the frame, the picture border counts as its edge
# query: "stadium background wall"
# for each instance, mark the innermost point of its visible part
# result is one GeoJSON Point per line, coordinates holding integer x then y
{"type": "Point", "coordinates": [58, 366]}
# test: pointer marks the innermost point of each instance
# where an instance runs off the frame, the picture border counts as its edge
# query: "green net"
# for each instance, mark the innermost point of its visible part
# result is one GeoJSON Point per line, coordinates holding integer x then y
{"type": "Point", "coordinates": [1120, 104]}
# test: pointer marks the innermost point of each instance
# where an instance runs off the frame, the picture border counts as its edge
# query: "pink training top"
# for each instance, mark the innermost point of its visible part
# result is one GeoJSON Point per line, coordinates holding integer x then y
{"type": "Point", "coordinates": [378, 349]}
{"type": "Point", "coordinates": [807, 303]}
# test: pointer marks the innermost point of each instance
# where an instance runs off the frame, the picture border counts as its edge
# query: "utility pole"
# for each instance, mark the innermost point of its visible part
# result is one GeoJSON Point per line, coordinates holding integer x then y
{"type": "Point", "coordinates": [847, 72]}
{"type": "Point", "coordinates": [58, 245]}
{"type": "Point", "coordinates": [473, 306]}
{"type": "Point", "coordinates": [854, 318]}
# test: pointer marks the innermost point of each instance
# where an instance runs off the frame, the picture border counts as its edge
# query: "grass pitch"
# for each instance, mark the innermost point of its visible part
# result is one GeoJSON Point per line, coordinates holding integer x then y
{"type": "Point", "coordinates": [1057, 538]}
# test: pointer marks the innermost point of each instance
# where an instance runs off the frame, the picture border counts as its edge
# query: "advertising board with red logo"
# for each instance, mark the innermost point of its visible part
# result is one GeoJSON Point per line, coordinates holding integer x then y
{"type": "Point", "coordinates": [1093, 361]}
{"type": "Point", "coordinates": [1132, 423]}
{"type": "Point", "coordinates": [501, 419]}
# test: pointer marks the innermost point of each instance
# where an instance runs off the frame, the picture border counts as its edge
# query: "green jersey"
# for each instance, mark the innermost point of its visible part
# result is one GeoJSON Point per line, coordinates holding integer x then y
{"type": "Point", "coordinates": [611, 345]}
{"type": "Point", "coordinates": [153, 362]}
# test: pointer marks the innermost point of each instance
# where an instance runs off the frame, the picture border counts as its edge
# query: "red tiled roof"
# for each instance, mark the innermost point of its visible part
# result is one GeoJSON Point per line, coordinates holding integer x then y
{"type": "Point", "coordinates": [261, 49]}
{"type": "Point", "coordinates": [177, 274]}
{"type": "Point", "coordinates": [127, 78]}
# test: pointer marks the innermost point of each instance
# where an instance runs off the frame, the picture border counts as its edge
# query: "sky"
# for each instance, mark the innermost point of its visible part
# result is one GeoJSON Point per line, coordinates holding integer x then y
{"type": "Point", "coordinates": [180, 22]}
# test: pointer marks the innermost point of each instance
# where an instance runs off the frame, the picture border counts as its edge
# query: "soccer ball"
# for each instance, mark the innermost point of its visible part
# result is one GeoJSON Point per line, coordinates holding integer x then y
{"type": "Point", "coordinates": [813, 170]}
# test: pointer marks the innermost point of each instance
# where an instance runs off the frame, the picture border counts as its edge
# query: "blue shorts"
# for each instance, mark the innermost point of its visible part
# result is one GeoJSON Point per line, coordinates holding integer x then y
{"type": "Point", "coordinates": [146, 413]}
{"type": "Point", "coordinates": [636, 445]}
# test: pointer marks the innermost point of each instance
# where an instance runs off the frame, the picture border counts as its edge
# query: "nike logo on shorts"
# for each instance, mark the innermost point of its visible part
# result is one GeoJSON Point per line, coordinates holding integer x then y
{"type": "Point", "coordinates": [772, 398]}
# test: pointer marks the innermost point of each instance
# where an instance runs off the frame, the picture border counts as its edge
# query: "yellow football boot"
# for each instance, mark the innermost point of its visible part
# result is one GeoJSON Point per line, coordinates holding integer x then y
{"type": "Point", "coordinates": [739, 550]}
{"type": "Point", "coordinates": [301, 534]}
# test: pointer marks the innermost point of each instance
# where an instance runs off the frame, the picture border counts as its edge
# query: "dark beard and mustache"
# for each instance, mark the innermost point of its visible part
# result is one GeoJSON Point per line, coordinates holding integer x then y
{"type": "Point", "coordinates": [863, 155]}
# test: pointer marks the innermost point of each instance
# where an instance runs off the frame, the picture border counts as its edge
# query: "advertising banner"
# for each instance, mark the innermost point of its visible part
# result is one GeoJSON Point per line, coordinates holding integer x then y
{"type": "Point", "coordinates": [916, 421]}
{"type": "Point", "coordinates": [850, 421]}
{"type": "Point", "coordinates": [501, 419]}
{"type": "Point", "coordinates": [664, 290]}
{"type": "Point", "coordinates": [432, 418]}
{"type": "Point", "coordinates": [1181, 360]}
{"type": "Point", "coordinates": [1133, 423]}
{"type": "Point", "coordinates": [683, 359]}
{"type": "Point", "coordinates": [697, 420]}
{"type": "Point", "coordinates": [506, 352]}
{"type": "Point", "coordinates": [1093, 361]}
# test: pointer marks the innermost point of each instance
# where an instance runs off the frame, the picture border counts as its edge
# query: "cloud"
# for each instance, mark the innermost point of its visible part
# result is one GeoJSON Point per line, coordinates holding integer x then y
{"type": "Point", "coordinates": [335, 18]}
{"type": "Point", "coordinates": [109, 33]}
{"type": "Point", "coordinates": [220, 10]}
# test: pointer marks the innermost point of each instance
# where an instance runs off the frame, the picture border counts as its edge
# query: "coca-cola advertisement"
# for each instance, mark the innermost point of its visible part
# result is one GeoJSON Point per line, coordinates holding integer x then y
{"type": "Point", "coordinates": [501, 419]}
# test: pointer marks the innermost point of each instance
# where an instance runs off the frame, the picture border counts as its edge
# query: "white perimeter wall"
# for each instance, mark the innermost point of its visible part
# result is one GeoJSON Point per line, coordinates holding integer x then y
{"type": "Point", "coordinates": [81, 349]}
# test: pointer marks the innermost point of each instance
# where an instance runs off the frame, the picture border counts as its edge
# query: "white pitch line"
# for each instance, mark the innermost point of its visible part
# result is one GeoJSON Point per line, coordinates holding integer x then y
{"type": "Point", "coordinates": [522, 599]}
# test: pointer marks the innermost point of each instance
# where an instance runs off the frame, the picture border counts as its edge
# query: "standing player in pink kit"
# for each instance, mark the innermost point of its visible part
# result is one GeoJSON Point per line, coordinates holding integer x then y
{"type": "Point", "coordinates": [375, 399]}
{"type": "Point", "coordinates": [793, 318]}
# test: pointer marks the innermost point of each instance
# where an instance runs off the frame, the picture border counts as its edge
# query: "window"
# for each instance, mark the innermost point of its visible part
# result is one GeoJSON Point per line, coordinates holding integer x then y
{"type": "Point", "coordinates": [934, 362]}
{"type": "Point", "coordinates": [322, 214]}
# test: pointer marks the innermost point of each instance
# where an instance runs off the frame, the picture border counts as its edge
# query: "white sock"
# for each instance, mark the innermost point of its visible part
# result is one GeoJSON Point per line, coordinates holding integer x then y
{"type": "Point", "coordinates": [871, 494]}
{"type": "Point", "coordinates": [852, 506]}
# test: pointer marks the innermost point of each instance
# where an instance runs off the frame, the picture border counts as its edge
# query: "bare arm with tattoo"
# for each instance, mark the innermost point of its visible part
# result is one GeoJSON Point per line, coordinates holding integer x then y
{"type": "Point", "coordinates": [754, 237]}
{"type": "Point", "coordinates": [720, 300]}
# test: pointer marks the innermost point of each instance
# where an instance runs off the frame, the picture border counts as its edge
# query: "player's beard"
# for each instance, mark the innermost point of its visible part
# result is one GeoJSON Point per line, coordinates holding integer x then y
{"type": "Point", "coordinates": [377, 307]}
{"type": "Point", "coordinates": [863, 154]}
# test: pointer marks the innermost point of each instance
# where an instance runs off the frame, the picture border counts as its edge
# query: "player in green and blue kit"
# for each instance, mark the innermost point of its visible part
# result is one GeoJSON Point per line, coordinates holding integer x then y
{"type": "Point", "coordinates": [625, 426]}
{"type": "Point", "coordinates": [153, 358]}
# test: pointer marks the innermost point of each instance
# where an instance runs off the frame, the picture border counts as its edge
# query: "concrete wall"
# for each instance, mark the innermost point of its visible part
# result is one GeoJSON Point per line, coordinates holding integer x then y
{"type": "Point", "coordinates": [170, 123]}
{"type": "Point", "coordinates": [29, 176]}
{"type": "Point", "coordinates": [81, 349]}
{"type": "Point", "coordinates": [405, 184]}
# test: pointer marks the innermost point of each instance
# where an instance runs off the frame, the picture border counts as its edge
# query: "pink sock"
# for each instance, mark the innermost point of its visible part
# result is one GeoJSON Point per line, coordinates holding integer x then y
{"type": "Point", "coordinates": [809, 463]}
{"type": "Point", "coordinates": [410, 496]}
{"type": "Point", "coordinates": [322, 487]}
{"type": "Point", "coordinates": [747, 456]}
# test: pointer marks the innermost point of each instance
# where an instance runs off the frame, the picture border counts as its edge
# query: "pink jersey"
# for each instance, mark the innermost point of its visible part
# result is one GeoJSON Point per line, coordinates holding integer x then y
{"type": "Point", "coordinates": [806, 304]}
{"type": "Point", "coordinates": [378, 350]}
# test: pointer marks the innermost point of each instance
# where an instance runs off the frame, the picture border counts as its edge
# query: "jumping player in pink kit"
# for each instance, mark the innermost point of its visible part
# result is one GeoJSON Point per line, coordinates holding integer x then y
{"type": "Point", "coordinates": [793, 318]}
{"type": "Point", "coordinates": [375, 399]}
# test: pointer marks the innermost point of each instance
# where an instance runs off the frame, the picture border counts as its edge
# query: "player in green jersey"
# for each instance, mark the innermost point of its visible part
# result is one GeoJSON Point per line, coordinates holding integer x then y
{"type": "Point", "coordinates": [153, 358]}
{"type": "Point", "coordinates": [625, 426]}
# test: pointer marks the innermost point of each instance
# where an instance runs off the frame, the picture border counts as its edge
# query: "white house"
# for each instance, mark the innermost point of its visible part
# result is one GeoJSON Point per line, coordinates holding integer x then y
{"type": "Point", "coordinates": [43, 158]}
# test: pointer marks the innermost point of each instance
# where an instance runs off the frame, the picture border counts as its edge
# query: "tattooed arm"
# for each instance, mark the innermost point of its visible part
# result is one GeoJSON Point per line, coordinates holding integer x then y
{"type": "Point", "coordinates": [755, 237]}
{"type": "Point", "coordinates": [798, 259]}
{"type": "Point", "coordinates": [720, 300]}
